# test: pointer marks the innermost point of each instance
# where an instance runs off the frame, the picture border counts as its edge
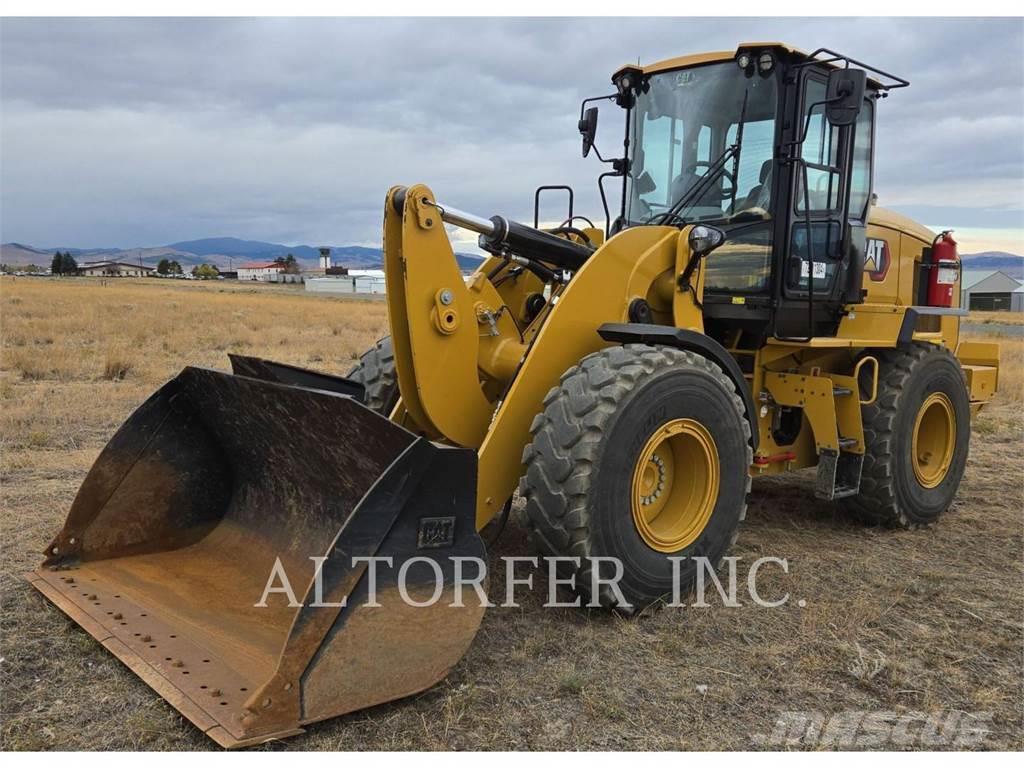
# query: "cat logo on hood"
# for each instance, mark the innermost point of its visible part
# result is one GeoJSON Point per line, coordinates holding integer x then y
{"type": "Point", "coordinates": [876, 259]}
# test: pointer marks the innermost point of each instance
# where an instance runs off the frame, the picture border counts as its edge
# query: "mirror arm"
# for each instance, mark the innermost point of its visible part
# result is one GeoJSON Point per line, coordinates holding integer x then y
{"type": "Point", "coordinates": [593, 148]}
{"type": "Point", "coordinates": [583, 104]}
{"type": "Point", "coordinates": [604, 200]}
{"type": "Point", "coordinates": [623, 165]}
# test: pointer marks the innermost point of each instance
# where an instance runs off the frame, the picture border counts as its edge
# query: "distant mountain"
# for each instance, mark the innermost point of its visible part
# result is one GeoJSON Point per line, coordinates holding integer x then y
{"type": "Point", "coordinates": [223, 252]}
{"type": "Point", "coordinates": [227, 246]}
{"type": "Point", "coordinates": [149, 256]}
{"type": "Point", "coordinates": [1008, 263]}
{"type": "Point", "coordinates": [23, 255]}
{"type": "Point", "coordinates": [467, 261]}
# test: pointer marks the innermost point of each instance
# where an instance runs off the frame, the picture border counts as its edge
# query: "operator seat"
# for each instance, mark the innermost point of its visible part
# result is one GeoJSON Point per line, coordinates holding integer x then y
{"type": "Point", "coordinates": [758, 195]}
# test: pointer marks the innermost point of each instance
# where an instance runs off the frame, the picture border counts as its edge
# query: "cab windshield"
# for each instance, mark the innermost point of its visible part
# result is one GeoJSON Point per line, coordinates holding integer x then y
{"type": "Point", "coordinates": [681, 129]}
{"type": "Point", "coordinates": [686, 121]}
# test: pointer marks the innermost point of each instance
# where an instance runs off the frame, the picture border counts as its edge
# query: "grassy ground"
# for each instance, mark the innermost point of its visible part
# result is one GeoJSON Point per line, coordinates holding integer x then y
{"type": "Point", "coordinates": [1000, 318]}
{"type": "Point", "coordinates": [924, 621]}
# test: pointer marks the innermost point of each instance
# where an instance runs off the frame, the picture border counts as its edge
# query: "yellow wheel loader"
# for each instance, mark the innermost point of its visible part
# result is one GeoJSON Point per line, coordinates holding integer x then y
{"type": "Point", "coordinates": [275, 546]}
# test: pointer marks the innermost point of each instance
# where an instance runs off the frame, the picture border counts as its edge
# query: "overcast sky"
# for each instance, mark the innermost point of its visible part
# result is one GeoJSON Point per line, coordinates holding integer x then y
{"type": "Point", "coordinates": [149, 131]}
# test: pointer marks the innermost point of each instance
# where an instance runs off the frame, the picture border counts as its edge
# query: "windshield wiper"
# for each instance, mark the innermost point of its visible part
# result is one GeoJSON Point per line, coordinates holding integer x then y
{"type": "Point", "coordinates": [736, 155]}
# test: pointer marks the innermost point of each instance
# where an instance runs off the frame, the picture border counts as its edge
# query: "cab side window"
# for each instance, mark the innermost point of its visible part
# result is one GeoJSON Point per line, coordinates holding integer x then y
{"type": "Point", "coordinates": [860, 172]}
{"type": "Point", "coordinates": [663, 157]}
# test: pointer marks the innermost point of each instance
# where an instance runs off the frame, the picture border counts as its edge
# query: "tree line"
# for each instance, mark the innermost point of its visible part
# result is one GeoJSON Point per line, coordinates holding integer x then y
{"type": "Point", "coordinates": [171, 267]}
{"type": "Point", "coordinates": [168, 267]}
{"type": "Point", "coordinates": [291, 266]}
{"type": "Point", "coordinates": [63, 264]}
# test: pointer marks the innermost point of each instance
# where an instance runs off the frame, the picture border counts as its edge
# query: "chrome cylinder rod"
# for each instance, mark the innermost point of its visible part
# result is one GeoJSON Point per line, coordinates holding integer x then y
{"type": "Point", "coordinates": [465, 220]}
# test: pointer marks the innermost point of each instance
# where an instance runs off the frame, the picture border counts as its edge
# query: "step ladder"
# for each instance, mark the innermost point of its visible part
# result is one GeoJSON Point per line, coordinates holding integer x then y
{"type": "Point", "coordinates": [831, 406]}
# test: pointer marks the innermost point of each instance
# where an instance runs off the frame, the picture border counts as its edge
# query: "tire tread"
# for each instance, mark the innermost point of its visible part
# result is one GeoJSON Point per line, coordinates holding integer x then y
{"type": "Point", "coordinates": [566, 446]}
{"type": "Point", "coordinates": [878, 503]}
{"type": "Point", "coordinates": [376, 372]}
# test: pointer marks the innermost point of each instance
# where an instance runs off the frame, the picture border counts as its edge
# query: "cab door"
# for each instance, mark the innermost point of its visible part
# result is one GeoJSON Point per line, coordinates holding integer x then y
{"type": "Point", "coordinates": [821, 255]}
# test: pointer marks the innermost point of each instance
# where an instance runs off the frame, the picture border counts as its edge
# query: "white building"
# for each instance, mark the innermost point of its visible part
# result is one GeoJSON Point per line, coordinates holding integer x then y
{"type": "Point", "coordinates": [259, 270]}
{"type": "Point", "coordinates": [112, 269]}
{"type": "Point", "coordinates": [356, 281]}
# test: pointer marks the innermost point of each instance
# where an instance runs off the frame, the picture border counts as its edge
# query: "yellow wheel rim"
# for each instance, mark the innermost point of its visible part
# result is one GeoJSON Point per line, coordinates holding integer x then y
{"type": "Point", "coordinates": [934, 440]}
{"type": "Point", "coordinates": [675, 485]}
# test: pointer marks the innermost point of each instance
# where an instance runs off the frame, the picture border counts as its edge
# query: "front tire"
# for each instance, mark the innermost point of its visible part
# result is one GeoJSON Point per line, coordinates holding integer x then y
{"type": "Point", "coordinates": [641, 453]}
{"type": "Point", "coordinates": [376, 372]}
{"type": "Point", "coordinates": [917, 434]}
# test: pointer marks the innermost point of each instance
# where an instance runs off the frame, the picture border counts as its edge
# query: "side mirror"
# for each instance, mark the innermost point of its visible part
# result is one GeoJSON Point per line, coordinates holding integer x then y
{"type": "Point", "coordinates": [704, 239]}
{"type": "Point", "coordinates": [844, 96]}
{"type": "Point", "coordinates": [588, 129]}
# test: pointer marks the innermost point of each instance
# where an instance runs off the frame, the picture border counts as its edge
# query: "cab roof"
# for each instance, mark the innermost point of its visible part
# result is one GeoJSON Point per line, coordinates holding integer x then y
{"type": "Point", "coordinates": [678, 62]}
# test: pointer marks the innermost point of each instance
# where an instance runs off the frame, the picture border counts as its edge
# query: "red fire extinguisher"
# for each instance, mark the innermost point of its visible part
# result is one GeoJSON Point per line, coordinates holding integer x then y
{"type": "Point", "coordinates": [944, 270]}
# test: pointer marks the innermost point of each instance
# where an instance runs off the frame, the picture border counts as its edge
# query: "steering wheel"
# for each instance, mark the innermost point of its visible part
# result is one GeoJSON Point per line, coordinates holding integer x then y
{"type": "Point", "coordinates": [725, 174]}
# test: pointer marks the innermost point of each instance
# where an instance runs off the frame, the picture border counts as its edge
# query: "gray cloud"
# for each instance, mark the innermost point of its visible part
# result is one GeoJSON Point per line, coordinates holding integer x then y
{"type": "Point", "coordinates": [144, 131]}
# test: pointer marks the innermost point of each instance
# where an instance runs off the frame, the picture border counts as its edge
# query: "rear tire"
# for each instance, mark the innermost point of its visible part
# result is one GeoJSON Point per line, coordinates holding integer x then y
{"type": "Point", "coordinates": [376, 372]}
{"type": "Point", "coordinates": [588, 456]}
{"type": "Point", "coordinates": [922, 392]}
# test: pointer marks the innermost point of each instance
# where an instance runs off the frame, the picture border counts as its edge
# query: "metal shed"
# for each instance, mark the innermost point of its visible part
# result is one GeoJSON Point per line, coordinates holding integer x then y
{"type": "Point", "coordinates": [991, 291]}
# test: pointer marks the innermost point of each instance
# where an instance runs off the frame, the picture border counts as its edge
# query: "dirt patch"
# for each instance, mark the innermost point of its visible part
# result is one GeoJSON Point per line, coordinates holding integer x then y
{"type": "Point", "coordinates": [925, 621]}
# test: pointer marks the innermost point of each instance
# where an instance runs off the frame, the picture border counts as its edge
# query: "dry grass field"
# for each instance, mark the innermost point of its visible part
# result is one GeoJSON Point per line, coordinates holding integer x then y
{"type": "Point", "coordinates": [926, 621]}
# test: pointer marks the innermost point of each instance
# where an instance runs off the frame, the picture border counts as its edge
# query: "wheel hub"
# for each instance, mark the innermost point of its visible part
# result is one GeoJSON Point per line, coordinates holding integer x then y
{"type": "Point", "coordinates": [934, 440]}
{"type": "Point", "coordinates": [675, 485]}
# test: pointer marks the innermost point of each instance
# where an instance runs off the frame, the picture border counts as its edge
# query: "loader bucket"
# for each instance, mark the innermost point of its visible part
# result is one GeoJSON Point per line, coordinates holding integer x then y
{"type": "Point", "coordinates": [221, 485]}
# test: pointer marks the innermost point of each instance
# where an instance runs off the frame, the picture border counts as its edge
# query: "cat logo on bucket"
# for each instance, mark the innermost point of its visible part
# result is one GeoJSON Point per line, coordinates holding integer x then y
{"type": "Point", "coordinates": [876, 259]}
{"type": "Point", "coordinates": [436, 532]}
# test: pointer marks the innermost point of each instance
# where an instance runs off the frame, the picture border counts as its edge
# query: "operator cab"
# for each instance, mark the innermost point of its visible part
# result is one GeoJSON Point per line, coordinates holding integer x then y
{"type": "Point", "coordinates": [773, 147]}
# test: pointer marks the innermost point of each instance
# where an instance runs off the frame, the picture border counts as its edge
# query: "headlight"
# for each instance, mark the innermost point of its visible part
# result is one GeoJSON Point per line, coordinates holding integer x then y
{"type": "Point", "coordinates": [743, 60]}
{"type": "Point", "coordinates": [704, 239]}
{"type": "Point", "coordinates": [765, 62]}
